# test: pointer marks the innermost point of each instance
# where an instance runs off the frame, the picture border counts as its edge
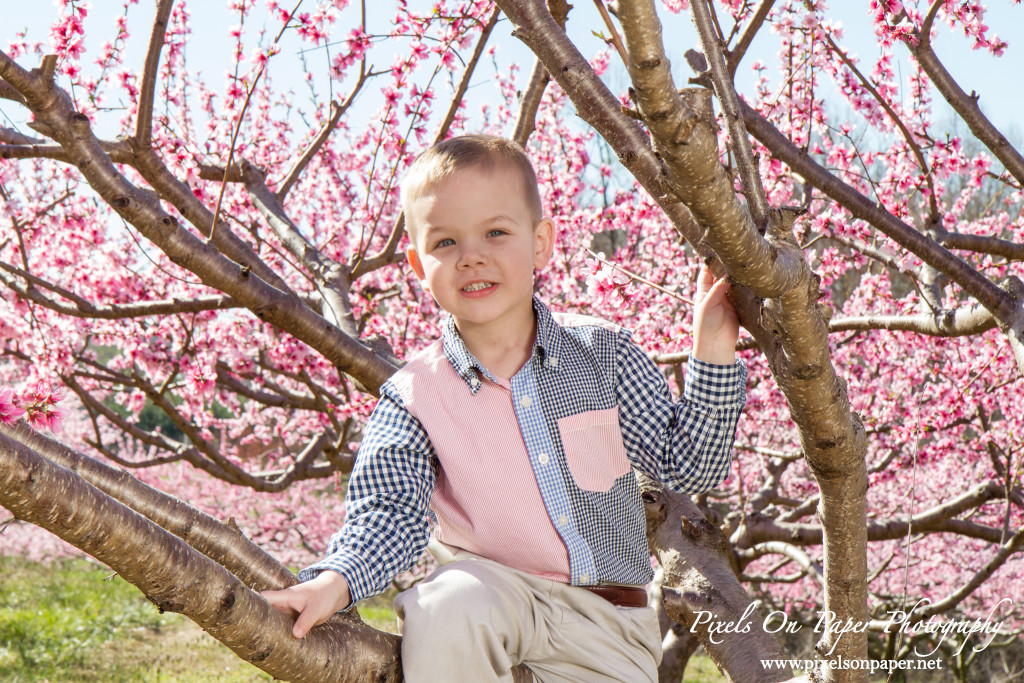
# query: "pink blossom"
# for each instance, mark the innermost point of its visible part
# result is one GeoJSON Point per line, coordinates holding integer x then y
{"type": "Point", "coordinates": [10, 411]}
{"type": "Point", "coordinates": [606, 284]}
{"type": "Point", "coordinates": [676, 6]}
{"type": "Point", "coordinates": [201, 381]}
{"type": "Point", "coordinates": [39, 404]}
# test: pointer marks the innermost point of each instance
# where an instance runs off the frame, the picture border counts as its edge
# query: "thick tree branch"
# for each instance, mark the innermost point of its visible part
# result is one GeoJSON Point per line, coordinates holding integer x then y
{"type": "Point", "coordinates": [757, 529]}
{"type": "Point", "coordinates": [987, 293]}
{"type": "Point", "coordinates": [688, 145]}
{"type": "Point", "coordinates": [920, 45]}
{"type": "Point", "coordinates": [177, 578]}
{"type": "Point", "coordinates": [526, 120]}
{"type": "Point", "coordinates": [218, 173]}
{"type": "Point", "coordinates": [792, 552]}
{"type": "Point", "coordinates": [118, 152]}
{"type": "Point", "coordinates": [600, 108]}
{"type": "Point", "coordinates": [698, 577]}
{"type": "Point", "coordinates": [9, 92]}
{"type": "Point", "coordinates": [150, 71]}
{"type": "Point", "coordinates": [331, 277]}
{"type": "Point", "coordinates": [232, 473]}
{"type": "Point", "coordinates": [220, 542]}
{"type": "Point", "coordinates": [750, 174]}
{"type": "Point", "coordinates": [71, 130]}
{"type": "Point", "coordinates": [204, 455]}
{"type": "Point", "coordinates": [82, 308]}
{"type": "Point", "coordinates": [273, 400]}
{"type": "Point", "coordinates": [9, 136]}
{"type": "Point", "coordinates": [961, 322]}
{"type": "Point", "coordinates": [180, 196]}
{"type": "Point", "coordinates": [772, 266]}
{"type": "Point", "coordinates": [190, 454]}
{"type": "Point", "coordinates": [980, 244]}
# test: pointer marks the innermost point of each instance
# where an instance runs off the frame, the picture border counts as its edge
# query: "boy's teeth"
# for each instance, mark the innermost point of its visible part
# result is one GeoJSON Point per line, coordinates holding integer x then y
{"type": "Point", "coordinates": [476, 286]}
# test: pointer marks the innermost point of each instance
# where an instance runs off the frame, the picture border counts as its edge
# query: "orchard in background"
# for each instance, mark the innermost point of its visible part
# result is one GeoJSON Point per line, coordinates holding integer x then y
{"type": "Point", "coordinates": [210, 269]}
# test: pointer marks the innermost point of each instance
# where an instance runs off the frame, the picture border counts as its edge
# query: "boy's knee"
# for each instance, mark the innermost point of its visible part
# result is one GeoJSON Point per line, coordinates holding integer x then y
{"type": "Point", "coordinates": [459, 592]}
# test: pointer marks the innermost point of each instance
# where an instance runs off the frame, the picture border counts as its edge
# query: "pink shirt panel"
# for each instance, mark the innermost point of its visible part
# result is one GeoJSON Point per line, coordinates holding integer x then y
{"type": "Point", "coordinates": [486, 496]}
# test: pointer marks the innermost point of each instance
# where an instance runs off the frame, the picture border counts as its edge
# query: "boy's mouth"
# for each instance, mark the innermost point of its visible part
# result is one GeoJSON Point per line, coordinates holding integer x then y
{"type": "Point", "coordinates": [477, 286]}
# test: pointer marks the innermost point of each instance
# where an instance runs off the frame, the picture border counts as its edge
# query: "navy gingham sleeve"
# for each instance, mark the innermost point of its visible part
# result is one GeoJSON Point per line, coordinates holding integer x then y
{"type": "Point", "coordinates": [686, 445]}
{"type": "Point", "coordinates": [387, 522]}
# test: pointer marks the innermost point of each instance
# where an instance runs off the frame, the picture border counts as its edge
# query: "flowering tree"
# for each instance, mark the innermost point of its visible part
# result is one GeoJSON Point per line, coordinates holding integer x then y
{"type": "Point", "coordinates": [213, 275]}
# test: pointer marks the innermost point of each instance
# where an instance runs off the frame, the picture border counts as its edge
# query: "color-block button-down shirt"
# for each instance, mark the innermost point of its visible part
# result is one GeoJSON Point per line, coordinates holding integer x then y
{"type": "Point", "coordinates": [535, 472]}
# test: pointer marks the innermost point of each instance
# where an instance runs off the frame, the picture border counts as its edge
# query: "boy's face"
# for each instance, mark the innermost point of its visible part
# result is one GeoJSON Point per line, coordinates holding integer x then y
{"type": "Point", "coordinates": [475, 247]}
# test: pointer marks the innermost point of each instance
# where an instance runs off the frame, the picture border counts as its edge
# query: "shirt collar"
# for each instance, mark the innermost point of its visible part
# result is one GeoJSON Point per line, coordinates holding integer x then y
{"type": "Point", "coordinates": [546, 347]}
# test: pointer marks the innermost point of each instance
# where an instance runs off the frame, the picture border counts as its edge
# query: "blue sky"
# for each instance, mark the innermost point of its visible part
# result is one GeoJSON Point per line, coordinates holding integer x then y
{"type": "Point", "coordinates": [210, 50]}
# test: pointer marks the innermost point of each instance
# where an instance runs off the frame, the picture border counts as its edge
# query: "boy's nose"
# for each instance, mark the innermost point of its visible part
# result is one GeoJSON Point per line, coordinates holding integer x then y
{"type": "Point", "coordinates": [471, 255]}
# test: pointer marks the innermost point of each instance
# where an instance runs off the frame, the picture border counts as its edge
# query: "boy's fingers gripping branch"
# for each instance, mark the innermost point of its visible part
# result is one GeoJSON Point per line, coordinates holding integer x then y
{"type": "Point", "coordinates": [705, 281]}
{"type": "Point", "coordinates": [715, 324]}
{"type": "Point", "coordinates": [312, 602]}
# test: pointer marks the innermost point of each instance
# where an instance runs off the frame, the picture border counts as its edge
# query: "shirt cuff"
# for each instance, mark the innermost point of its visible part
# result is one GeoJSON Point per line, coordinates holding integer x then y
{"type": "Point", "coordinates": [715, 385]}
{"type": "Point", "coordinates": [355, 573]}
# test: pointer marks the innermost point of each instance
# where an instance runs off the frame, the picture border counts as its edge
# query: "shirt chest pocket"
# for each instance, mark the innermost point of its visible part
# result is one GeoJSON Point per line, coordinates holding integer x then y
{"type": "Point", "coordinates": [592, 442]}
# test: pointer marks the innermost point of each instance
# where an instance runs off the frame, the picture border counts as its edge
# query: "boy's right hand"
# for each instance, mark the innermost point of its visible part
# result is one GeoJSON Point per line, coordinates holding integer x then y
{"type": "Point", "coordinates": [313, 602]}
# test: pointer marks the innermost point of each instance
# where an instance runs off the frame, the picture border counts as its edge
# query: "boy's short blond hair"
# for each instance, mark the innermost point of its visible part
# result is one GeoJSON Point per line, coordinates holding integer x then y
{"type": "Point", "coordinates": [456, 154]}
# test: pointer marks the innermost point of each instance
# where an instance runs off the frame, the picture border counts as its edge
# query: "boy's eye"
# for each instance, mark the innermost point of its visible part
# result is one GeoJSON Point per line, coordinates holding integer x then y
{"type": "Point", "coordinates": [496, 232]}
{"type": "Point", "coordinates": [446, 242]}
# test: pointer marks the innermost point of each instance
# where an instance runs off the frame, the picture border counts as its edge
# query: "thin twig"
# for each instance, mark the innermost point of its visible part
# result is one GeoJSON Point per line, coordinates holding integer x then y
{"type": "Point", "coordinates": [757, 203]}
{"type": "Point", "coordinates": [616, 40]}
{"type": "Point", "coordinates": [241, 116]}
{"type": "Point", "coordinates": [363, 264]}
{"type": "Point", "coordinates": [144, 122]}
{"type": "Point", "coordinates": [636, 277]}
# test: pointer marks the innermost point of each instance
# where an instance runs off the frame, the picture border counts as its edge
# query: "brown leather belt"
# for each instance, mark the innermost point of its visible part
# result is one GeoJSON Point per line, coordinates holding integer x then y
{"type": "Point", "coordinates": [621, 596]}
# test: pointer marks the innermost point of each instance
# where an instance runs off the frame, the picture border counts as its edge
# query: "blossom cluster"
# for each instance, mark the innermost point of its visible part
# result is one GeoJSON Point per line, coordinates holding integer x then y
{"type": "Point", "coordinates": [38, 404]}
{"type": "Point", "coordinates": [222, 381]}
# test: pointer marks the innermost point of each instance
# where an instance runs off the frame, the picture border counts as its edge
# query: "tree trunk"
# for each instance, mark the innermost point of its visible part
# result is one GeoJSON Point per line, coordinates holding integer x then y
{"type": "Point", "coordinates": [684, 173]}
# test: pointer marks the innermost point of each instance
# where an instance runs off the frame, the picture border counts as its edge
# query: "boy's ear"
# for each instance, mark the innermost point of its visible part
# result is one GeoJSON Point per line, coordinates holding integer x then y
{"type": "Point", "coordinates": [417, 266]}
{"type": "Point", "coordinates": [543, 242]}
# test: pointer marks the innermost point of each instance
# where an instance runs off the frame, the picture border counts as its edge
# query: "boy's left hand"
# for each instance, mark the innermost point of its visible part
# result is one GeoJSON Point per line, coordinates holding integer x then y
{"type": "Point", "coordinates": [715, 325]}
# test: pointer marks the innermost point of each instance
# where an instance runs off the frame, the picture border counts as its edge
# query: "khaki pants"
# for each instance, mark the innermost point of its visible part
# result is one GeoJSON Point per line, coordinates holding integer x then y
{"type": "Point", "coordinates": [474, 619]}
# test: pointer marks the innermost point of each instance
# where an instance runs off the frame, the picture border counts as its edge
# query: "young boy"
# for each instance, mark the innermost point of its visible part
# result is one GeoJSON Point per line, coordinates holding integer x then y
{"type": "Point", "coordinates": [517, 432]}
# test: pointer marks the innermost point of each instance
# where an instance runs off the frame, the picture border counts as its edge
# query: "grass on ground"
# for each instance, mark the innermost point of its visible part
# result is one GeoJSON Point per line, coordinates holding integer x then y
{"type": "Point", "coordinates": [75, 621]}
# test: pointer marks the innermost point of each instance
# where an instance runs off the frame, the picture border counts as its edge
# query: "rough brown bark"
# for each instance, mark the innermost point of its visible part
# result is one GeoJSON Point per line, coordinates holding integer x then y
{"type": "Point", "coordinates": [186, 562]}
{"type": "Point", "coordinates": [177, 578]}
{"type": "Point", "coordinates": [771, 266]}
{"type": "Point", "coordinates": [699, 587]}
{"type": "Point", "coordinates": [53, 108]}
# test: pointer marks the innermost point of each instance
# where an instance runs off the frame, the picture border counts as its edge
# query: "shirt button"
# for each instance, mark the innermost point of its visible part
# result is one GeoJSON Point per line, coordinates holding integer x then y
{"type": "Point", "coordinates": [585, 578]}
{"type": "Point", "coordinates": [543, 458]}
{"type": "Point", "coordinates": [562, 520]}
{"type": "Point", "coordinates": [525, 401]}
{"type": "Point", "coordinates": [553, 362]}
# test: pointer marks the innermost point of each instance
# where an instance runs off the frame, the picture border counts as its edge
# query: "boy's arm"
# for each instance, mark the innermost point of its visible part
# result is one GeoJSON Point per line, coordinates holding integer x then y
{"type": "Point", "coordinates": [686, 445]}
{"type": "Point", "coordinates": [386, 518]}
